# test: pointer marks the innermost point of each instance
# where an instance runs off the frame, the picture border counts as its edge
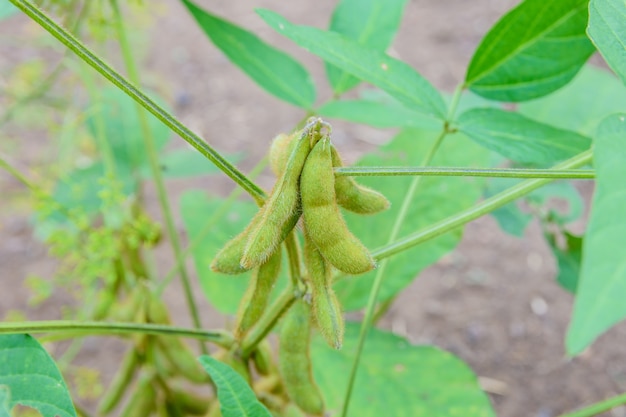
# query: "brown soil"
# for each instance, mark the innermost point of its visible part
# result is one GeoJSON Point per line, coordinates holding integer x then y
{"type": "Point", "coordinates": [493, 302]}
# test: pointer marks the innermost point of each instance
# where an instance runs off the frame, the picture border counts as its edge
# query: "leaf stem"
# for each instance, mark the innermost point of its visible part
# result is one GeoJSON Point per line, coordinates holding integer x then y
{"type": "Point", "coordinates": [150, 148]}
{"type": "Point", "coordinates": [267, 321]}
{"type": "Point", "coordinates": [486, 206]}
{"type": "Point", "coordinates": [599, 407]}
{"type": "Point", "coordinates": [122, 83]}
{"type": "Point", "coordinates": [467, 172]}
{"type": "Point", "coordinates": [89, 328]}
{"type": "Point", "coordinates": [380, 272]}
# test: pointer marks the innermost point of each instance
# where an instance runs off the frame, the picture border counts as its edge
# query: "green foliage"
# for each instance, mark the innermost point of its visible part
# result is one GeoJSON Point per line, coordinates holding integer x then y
{"type": "Point", "coordinates": [568, 257]}
{"type": "Point", "coordinates": [602, 283]}
{"type": "Point", "coordinates": [391, 75]}
{"type": "Point", "coordinates": [372, 23]}
{"type": "Point", "coordinates": [274, 70]}
{"type": "Point", "coordinates": [32, 377]}
{"type": "Point", "coordinates": [591, 96]}
{"type": "Point", "coordinates": [607, 30]}
{"type": "Point", "coordinates": [7, 9]}
{"type": "Point", "coordinates": [536, 48]}
{"type": "Point", "coordinates": [432, 204]}
{"type": "Point", "coordinates": [235, 395]}
{"type": "Point", "coordinates": [410, 380]}
{"type": "Point", "coordinates": [521, 139]}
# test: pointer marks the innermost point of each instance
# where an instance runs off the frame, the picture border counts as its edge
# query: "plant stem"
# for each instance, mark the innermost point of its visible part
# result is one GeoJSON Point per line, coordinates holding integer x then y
{"type": "Point", "coordinates": [150, 148]}
{"type": "Point", "coordinates": [380, 272]}
{"type": "Point", "coordinates": [467, 172]}
{"type": "Point", "coordinates": [599, 407]}
{"type": "Point", "coordinates": [267, 321]}
{"type": "Point", "coordinates": [486, 206]}
{"type": "Point", "coordinates": [110, 74]}
{"type": "Point", "coordinates": [89, 328]}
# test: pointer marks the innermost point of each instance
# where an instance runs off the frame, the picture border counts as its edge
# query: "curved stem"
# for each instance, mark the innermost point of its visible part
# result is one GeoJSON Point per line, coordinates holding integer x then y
{"type": "Point", "coordinates": [110, 74]}
{"type": "Point", "coordinates": [599, 407]}
{"type": "Point", "coordinates": [89, 328]}
{"type": "Point", "coordinates": [380, 272]}
{"type": "Point", "coordinates": [466, 172]}
{"type": "Point", "coordinates": [153, 158]}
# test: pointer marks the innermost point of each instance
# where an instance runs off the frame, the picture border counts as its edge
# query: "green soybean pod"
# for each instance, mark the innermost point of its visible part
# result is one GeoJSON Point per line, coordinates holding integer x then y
{"type": "Point", "coordinates": [255, 299]}
{"type": "Point", "coordinates": [295, 362]}
{"type": "Point", "coordinates": [326, 306]}
{"type": "Point", "coordinates": [280, 150]}
{"type": "Point", "coordinates": [228, 259]}
{"type": "Point", "coordinates": [120, 383]}
{"type": "Point", "coordinates": [262, 358]}
{"type": "Point", "coordinates": [280, 213]}
{"type": "Point", "coordinates": [189, 402]}
{"type": "Point", "coordinates": [181, 359]}
{"type": "Point", "coordinates": [143, 400]}
{"type": "Point", "coordinates": [322, 218]}
{"type": "Point", "coordinates": [356, 197]}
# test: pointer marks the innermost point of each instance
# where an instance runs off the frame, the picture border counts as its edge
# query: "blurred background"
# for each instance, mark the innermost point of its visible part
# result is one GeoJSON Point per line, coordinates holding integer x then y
{"type": "Point", "coordinates": [493, 302]}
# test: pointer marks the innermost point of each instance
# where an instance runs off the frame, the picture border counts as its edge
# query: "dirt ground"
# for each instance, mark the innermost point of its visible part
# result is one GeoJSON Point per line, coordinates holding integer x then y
{"type": "Point", "coordinates": [493, 302]}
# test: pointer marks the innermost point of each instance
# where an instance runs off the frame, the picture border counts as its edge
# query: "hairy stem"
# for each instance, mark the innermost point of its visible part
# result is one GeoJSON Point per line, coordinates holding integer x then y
{"type": "Point", "coordinates": [573, 174]}
{"type": "Point", "coordinates": [89, 328]}
{"type": "Point", "coordinates": [110, 74]}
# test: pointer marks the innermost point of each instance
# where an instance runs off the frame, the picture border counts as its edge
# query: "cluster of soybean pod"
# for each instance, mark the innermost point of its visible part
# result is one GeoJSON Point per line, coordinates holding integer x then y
{"type": "Point", "coordinates": [306, 188]}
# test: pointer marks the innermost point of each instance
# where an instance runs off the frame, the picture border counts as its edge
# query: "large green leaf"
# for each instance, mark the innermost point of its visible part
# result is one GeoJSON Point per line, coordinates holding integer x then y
{"type": "Point", "coordinates": [235, 395]}
{"type": "Point", "coordinates": [372, 23]}
{"type": "Point", "coordinates": [184, 162]}
{"type": "Point", "coordinates": [602, 284]}
{"type": "Point", "coordinates": [32, 377]}
{"type": "Point", "coordinates": [223, 291]}
{"type": "Point", "coordinates": [272, 69]}
{"type": "Point", "coordinates": [396, 378]}
{"type": "Point", "coordinates": [437, 198]}
{"type": "Point", "coordinates": [593, 95]}
{"type": "Point", "coordinates": [533, 50]}
{"type": "Point", "coordinates": [607, 30]}
{"type": "Point", "coordinates": [391, 75]}
{"type": "Point", "coordinates": [122, 128]}
{"type": "Point", "coordinates": [4, 401]}
{"type": "Point", "coordinates": [519, 138]}
{"type": "Point", "coordinates": [7, 9]}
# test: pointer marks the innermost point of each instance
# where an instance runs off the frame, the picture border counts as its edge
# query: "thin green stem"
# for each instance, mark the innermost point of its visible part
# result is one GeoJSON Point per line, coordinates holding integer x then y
{"type": "Point", "coordinates": [599, 407]}
{"type": "Point", "coordinates": [293, 253]}
{"type": "Point", "coordinates": [454, 103]}
{"type": "Point", "coordinates": [110, 74]}
{"type": "Point", "coordinates": [17, 174]}
{"type": "Point", "coordinates": [380, 272]}
{"type": "Point", "coordinates": [90, 328]}
{"type": "Point", "coordinates": [466, 172]}
{"type": "Point", "coordinates": [267, 321]}
{"type": "Point", "coordinates": [480, 209]}
{"type": "Point", "coordinates": [150, 148]}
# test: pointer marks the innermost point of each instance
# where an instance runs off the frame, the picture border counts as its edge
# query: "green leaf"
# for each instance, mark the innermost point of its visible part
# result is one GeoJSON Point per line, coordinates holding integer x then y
{"type": "Point", "coordinates": [607, 30]}
{"type": "Point", "coordinates": [568, 257]}
{"type": "Point", "coordinates": [377, 114]}
{"type": "Point", "coordinates": [7, 9]}
{"type": "Point", "coordinates": [32, 377]}
{"type": "Point", "coordinates": [235, 395]}
{"type": "Point", "coordinates": [510, 218]}
{"type": "Point", "coordinates": [372, 23]}
{"type": "Point", "coordinates": [272, 69]}
{"type": "Point", "coordinates": [223, 291]}
{"type": "Point", "coordinates": [122, 128]}
{"type": "Point", "coordinates": [519, 138]}
{"type": "Point", "coordinates": [600, 295]}
{"type": "Point", "coordinates": [395, 375]}
{"type": "Point", "coordinates": [535, 49]}
{"type": "Point", "coordinates": [593, 95]}
{"type": "Point", "coordinates": [432, 203]}
{"type": "Point", "coordinates": [391, 75]}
